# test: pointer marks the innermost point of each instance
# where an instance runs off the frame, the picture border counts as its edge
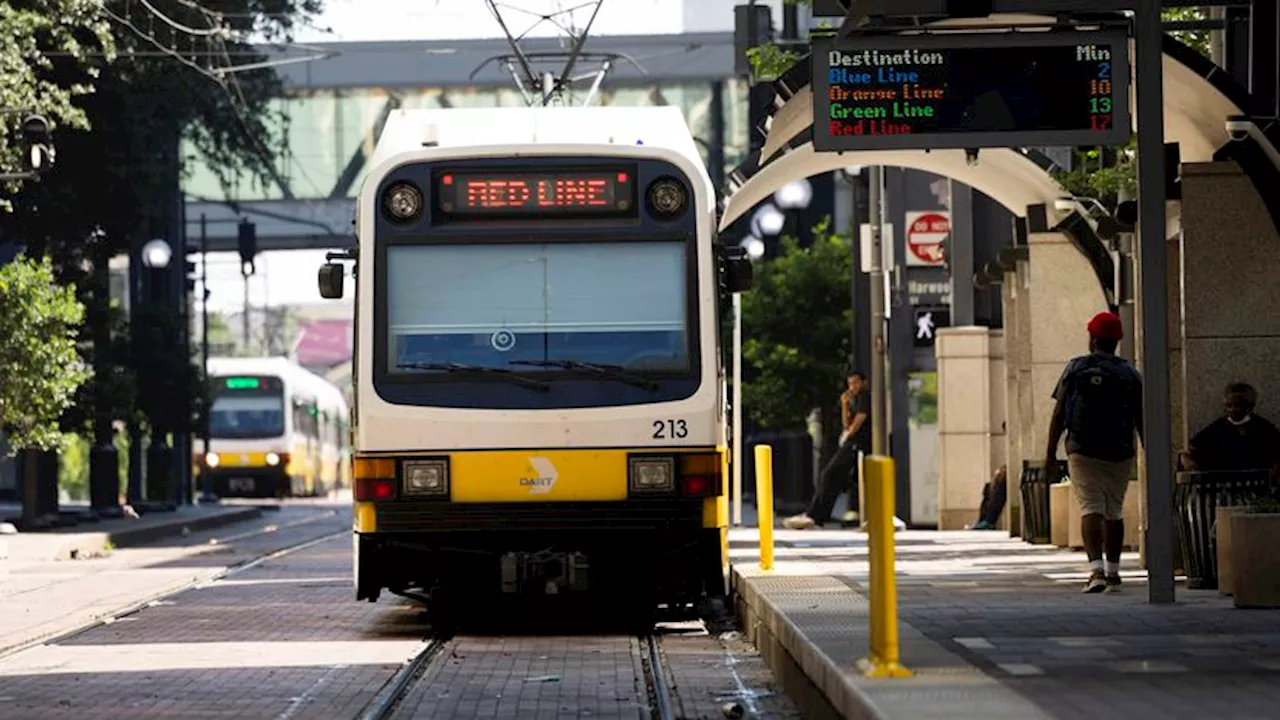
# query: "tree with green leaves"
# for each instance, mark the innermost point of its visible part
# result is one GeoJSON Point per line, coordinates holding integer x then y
{"type": "Point", "coordinates": [160, 73]}
{"type": "Point", "coordinates": [796, 333]}
{"type": "Point", "coordinates": [49, 51]}
{"type": "Point", "coordinates": [40, 369]}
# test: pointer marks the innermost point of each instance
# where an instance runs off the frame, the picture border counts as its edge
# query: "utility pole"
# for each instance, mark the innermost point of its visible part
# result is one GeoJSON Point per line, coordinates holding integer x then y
{"type": "Point", "coordinates": [878, 349]}
{"type": "Point", "coordinates": [737, 409]}
{"type": "Point", "coordinates": [206, 480]}
{"type": "Point", "coordinates": [245, 315]}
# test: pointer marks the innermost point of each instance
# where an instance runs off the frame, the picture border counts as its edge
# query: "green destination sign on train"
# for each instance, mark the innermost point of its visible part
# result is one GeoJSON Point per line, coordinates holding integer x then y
{"type": "Point", "coordinates": [971, 91]}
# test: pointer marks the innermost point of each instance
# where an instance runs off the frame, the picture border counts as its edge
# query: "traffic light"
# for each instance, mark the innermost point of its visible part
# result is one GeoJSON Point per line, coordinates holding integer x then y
{"type": "Point", "coordinates": [189, 267]}
{"type": "Point", "coordinates": [40, 153]}
{"type": "Point", "coordinates": [248, 246]}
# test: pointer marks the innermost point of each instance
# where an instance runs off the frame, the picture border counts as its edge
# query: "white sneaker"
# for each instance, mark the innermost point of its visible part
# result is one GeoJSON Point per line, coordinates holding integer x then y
{"type": "Point", "coordinates": [898, 524]}
{"type": "Point", "coordinates": [798, 522]}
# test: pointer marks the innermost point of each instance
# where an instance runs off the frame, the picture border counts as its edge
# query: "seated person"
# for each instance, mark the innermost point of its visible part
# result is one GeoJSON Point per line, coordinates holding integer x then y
{"type": "Point", "coordinates": [994, 495]}
{"type": "Point", "coordinates": [1240, 440]}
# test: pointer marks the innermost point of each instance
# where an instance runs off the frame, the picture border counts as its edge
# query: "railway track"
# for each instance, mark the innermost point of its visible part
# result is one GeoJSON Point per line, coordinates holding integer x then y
{"type": "Point", "coordinates": [390, 701]}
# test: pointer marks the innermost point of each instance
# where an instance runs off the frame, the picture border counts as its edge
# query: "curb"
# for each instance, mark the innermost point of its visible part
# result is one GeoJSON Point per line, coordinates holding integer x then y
{"type": "Point", "coordinates": [800, 666]}
{"type": "Point", "coordinates": [92, 543]}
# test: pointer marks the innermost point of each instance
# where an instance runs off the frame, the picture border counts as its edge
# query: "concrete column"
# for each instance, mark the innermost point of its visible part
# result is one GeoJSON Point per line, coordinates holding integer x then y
{"type": "Point", "coordinates": [964, 423]}
{"type": "Point", "coordinates": [1176, 373]}
{"type": "Point", "coordinates": [1049, 299]}
{"type": "Point", "coordinates": [997, 385]}
{"type": "Point", "coordinates": [1066, 295]}
{"type": "Point", "coordinates": [1229, 293]}
{"type": "Point", "coordinates": [1016, 352]}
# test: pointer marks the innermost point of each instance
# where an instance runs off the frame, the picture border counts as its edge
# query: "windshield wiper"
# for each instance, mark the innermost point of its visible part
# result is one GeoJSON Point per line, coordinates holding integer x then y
{"type": "Point", "coordinates": [612, 371]}
{"type": "Point", "coordinates": [463, 367]}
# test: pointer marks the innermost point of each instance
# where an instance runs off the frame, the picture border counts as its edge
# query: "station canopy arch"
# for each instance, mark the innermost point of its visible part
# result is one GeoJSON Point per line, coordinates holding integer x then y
{"type": "Point", "coordinates": [1198, 99]}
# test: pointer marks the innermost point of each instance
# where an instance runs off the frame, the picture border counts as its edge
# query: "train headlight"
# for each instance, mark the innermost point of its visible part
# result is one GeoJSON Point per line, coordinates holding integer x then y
{"type": "Point", "coordinates": [403, 202]}
{"type": "Point", "coordinates": [273, 459]}
{"type": "Point", "coordinates": [426, 478]}
{"type": "Point", "coordinates": [212, 460]}
{"type": "Point", "coordinates": [668, 198]}
{"type": "Point", "coordinates": [652, 475]}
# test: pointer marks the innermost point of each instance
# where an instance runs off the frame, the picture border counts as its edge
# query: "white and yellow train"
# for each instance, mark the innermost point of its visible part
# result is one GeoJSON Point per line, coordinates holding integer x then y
{"type": "Point", "coordinates": [539, 395]}
{"type": "Point", "coordinates": [276, 430]}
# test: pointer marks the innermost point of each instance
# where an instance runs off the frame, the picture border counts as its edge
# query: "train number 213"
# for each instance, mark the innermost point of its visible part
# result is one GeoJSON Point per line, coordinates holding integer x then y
{"type": "Point", "coordinates": [669, 429]}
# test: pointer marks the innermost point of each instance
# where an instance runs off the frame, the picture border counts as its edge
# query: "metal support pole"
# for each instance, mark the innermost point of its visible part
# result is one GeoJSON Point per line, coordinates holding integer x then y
{"type": "Point", "coordinates": [206, 480]}
{"type": "Point", "coordinates": [960, 276]}
{"type": "Point", "coordinates": [1153, 261]}
{"type": "Point", "coordinates": [737, 409]}
{"type": "Point", "coordinates": [854, 228]}
{"type": "Point", "coordinates": [877, 316]}
{"type": "Point", "coordinates": [1124, 294]}
{"type": "Point", "coordinates": [245, 317]}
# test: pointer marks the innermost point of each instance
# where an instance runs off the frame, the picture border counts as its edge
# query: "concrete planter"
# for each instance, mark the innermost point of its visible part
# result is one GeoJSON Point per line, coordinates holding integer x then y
{"type": "Point", "coordinates": [1222, 546]}
{"type": "Point", "coordinates": [1065, 512]}
{"type": "Point", "coordinates": [1255, 563]}
{"type": "Point", "coordinates": [1062, 505]}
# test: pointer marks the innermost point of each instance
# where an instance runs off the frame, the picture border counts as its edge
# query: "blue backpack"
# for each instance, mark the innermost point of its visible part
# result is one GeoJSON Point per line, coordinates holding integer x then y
{"type": "Point", "coordinates": [1100, 413]}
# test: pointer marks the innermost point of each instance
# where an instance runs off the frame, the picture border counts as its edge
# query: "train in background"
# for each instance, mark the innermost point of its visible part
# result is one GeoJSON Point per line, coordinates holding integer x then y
{"type": "Point", "coordinates": [276, 430]}
{"type": "Point", "coordinates": [539, 393]}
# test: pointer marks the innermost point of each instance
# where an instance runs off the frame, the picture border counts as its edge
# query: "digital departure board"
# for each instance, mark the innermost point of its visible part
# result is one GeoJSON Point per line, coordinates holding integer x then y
{"type": "Point", "coordinates": [536, 194]}
{"type": "Point", "coordinates": [971, 91]}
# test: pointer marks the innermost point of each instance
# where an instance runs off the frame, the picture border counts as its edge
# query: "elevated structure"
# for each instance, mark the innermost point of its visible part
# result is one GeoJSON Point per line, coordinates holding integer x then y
{"type": "Point", "coordinates": [335, 110]}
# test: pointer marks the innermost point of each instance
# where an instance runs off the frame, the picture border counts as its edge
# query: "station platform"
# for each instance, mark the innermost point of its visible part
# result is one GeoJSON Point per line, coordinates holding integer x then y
{"type": "Point", "coordinates": [994, 627]}
{"type": "Point", "coordinates": [89, 539]}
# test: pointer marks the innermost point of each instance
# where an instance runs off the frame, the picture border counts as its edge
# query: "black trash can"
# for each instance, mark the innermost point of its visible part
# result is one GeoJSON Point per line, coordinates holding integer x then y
{"type": "Point", "coordinates": [792, 469]}
{"type": "Point", "coordinates": [1035, 501]}
{"type": "Point", "coordinates": [1197, 497]}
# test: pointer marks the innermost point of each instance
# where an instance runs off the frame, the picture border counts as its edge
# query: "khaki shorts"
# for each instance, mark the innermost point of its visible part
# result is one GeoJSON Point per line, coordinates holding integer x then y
{"type": "Point", "coordinates": [1100, 485]}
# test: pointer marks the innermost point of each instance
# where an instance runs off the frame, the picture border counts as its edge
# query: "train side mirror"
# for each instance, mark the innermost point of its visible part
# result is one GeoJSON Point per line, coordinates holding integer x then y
{"type": "Point", "coordinates": [739, 274]}
{"type": "Point", "coordinates": [330, 280]}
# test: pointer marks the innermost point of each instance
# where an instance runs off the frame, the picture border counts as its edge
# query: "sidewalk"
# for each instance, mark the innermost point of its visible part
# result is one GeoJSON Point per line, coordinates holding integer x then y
{"type": "Point", "coordinates": [87, 540]}
{"type": "Point", "coordinates": [42, 597]}
{"type": "Point", "coordinates": [996, 628]}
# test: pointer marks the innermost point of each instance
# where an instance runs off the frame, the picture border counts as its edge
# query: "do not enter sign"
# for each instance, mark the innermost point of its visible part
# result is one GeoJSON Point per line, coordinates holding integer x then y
{"type": "Point", "coordinates": [926, 231]}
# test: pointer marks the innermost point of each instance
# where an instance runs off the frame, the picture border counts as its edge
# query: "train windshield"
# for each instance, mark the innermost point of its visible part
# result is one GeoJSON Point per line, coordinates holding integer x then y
{"type": "Point", "coordinates": [247, 415]}
{"type": "Point", "coordinates": [526, 306]}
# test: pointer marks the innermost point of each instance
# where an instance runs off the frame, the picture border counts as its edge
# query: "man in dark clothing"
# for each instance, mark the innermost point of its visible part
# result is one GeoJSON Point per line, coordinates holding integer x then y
{"type": "Point", "coordinates": [994, 495]}
{"type": "Point", "coordinates": [1239, 440]}
{"type": "Point", "coordinates": [835, 477]}
{"type": "Point", "coordinates": [1100, 408]}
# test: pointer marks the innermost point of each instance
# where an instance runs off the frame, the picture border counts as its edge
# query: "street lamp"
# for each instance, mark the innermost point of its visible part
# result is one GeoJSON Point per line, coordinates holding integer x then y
{"type": "Point", "coordinates": [768, 221]}
{"type": "Point", "coordinates": [156, 254]}
{"type": "Point", "coordinates": [795, 195]}
{"type": "Point", "coordinates": [754, 247]}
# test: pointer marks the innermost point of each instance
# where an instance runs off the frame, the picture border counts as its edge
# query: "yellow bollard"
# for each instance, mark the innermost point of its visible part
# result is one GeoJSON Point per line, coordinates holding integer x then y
{"type": "Point", "coordinates": [764, 504]}
{"type": "Point", "coordinates": [884, 659]}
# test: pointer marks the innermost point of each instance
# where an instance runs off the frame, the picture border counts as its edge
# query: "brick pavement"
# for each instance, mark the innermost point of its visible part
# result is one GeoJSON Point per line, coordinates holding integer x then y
{"type": "Point", "coordinates": [591, 676]}
{"type": "Point", "coordinates": [705, 673]}
{"type": "Point", "coordinates": [531, 677]}
{"type": "Point", "coordinates": [994, 627]}
{"type": "Point", "coordinates": [42, 598]}
{"type": "Point", "coordinates": [283, 639]}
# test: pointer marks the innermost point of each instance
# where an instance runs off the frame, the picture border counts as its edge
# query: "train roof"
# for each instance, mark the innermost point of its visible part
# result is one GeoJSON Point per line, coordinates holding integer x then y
{"type": "Point", "coordinates": [663, 127]}
{"type": "Point", "coordinates": [294, 374]}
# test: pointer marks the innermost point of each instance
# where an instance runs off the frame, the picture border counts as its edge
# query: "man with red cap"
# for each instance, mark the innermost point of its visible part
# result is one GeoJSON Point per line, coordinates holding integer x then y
{"type": "Point", "coordinates": [1099, 407]}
